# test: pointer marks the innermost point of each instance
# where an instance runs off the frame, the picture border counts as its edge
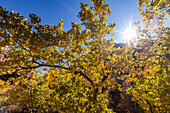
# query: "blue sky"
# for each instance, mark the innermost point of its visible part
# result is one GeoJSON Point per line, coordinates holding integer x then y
{"type": "Point", "coordinates": [51, 11]}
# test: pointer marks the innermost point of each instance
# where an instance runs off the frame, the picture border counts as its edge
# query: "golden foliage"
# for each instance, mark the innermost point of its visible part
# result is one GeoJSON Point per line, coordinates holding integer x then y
{"type": "Point", "coordinates": [67, 71]}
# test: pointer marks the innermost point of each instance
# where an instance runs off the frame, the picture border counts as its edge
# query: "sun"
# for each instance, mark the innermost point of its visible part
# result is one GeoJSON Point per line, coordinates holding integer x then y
{"type": "Point", "coordinates": [129, 33]}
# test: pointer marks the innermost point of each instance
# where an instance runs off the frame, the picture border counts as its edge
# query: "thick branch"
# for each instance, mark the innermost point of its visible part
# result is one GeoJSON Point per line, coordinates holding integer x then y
{"type": "Point", "coordinates": [31, 67]}
{"type": "Point", "coordinates": [95, 95]}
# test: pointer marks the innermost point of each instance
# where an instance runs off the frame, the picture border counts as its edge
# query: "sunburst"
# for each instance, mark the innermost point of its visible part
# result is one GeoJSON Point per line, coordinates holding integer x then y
{"type": "Point", "coordinates": [129, 33]}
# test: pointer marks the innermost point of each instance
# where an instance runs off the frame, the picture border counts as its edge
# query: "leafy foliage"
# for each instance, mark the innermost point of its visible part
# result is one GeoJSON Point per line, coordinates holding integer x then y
{"type": "Point", "coordinates": [80, 66]}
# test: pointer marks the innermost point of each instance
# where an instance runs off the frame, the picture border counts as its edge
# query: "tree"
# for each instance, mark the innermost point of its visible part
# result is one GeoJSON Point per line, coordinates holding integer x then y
{"type": "Point", "coordinates": [83, 62]}
{"type": "Point", "coordinates": [32, 45]}
{"type": "Point", "coordinates": [150, 88]}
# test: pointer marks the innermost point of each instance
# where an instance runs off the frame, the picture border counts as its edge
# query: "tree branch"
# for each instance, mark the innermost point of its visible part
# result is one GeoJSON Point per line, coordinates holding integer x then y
{"type": "Point", "coordinates": [85, 76]}
{"type": "Point", "coordinates": [95, 95]}
{"type": "Point", "coordinates": [104, 78]}
{"type": "Point", "coordinates": [44, 65]}
{"type": "Point", "coordinates": [23, 47]}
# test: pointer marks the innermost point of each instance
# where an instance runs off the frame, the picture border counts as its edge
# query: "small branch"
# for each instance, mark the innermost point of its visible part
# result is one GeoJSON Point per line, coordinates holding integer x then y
{"type": "Point", "coordinates": [146, 58]}
{"type": "Point", "coordinates": [104, 78]}
{"type": "Point", "coordinates": [151, 56]}
{"type": "Point", "coordinates": [34, 62]}
{"type": "Point", "coordinates": [23, 47]}
{"type": "Point", "coordinates": [85, 76]}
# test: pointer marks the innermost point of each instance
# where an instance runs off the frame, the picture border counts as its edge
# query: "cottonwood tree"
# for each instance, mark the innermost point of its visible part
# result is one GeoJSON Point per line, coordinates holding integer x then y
{"type": "Point", "coordinates": [150, 68]}
{"type": "Point", "coordinates": [83, 62]}
{"type": "Point", "coordinates": [32, 45]}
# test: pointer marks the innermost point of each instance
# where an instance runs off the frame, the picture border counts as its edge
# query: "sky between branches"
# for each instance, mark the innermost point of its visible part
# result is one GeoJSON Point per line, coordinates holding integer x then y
{"type": "Point", "coordinates": [124, 12]}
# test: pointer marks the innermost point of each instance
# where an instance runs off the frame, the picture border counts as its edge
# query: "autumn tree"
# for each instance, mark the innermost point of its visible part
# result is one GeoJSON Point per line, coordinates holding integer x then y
{"type": "Point", "coordinates": [150, 68]}
{"type": "Point", "coordinates": [80, 63]}
{"type": "Point", "coordinates": [77, 52]}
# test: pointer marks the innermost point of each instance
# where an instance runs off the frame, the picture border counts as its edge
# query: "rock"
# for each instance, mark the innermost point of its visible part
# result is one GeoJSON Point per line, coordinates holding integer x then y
{"type": "Point", "coordinates": [3, 109]}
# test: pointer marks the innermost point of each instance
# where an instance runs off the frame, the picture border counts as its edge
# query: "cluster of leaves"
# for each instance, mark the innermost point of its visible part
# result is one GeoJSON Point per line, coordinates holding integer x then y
{"type": "Point", "coordinates": [47, 94]}
{"type": "Point", "coordinates": [80, 63]}
{"type": "Point", "coordinates": [32, 45]}
{"type": "Point", "coordinates": [150, 88]}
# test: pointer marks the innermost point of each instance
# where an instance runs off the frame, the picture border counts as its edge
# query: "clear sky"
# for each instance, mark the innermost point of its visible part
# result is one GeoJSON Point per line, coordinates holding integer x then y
{"type": "Point", "coordinates": [124, 12]}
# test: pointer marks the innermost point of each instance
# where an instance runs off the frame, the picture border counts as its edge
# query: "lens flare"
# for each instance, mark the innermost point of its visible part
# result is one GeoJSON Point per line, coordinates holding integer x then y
{"type": "Point", "coordinates": [129, 33]}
